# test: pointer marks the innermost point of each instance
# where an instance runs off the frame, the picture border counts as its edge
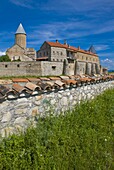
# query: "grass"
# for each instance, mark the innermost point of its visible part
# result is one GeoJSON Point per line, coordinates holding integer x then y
{"type": "Point", "coordinates": [10, 77]}
{"type": "Point", "coordinates": [80, 140]}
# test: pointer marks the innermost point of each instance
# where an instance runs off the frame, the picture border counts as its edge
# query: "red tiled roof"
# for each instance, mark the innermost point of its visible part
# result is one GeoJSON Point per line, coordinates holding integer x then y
{"type": "Point", "coordinates": [70, 48]}
{"type": "Point", "coordinates": [33, 79]}
{"type": "Point", "coordinates": [29, 88]}
{"type": "Point", "coordinates": [41, 58]}
{"type": "Point", "coordinates": [19, 80]}
{"type": "Point", "coordinates": [55, 44]}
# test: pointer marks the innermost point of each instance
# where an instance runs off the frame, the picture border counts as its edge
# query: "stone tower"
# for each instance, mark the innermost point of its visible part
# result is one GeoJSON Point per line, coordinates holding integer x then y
{"type": "Point", "coordinates": [20, 36]}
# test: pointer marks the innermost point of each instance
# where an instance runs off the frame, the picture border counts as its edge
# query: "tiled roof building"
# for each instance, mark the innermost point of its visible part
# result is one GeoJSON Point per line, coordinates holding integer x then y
{"type": "Point", "coordinates": [76, 60]}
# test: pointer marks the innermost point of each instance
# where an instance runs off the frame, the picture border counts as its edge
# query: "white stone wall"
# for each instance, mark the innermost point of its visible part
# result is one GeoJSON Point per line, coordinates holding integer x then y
{"type": "Point", "coordinates": [45, 51]}
{"type": "Point", "coordinates": [51, 68]}
{"type": "Point", "coordinates": [16, 115]}
{"type": "Point", "coordinates": [58, 54]}
{"type": "Point", "coordinates": [27, 68]}
{"type": "Point", "coordinates": [80, 67]}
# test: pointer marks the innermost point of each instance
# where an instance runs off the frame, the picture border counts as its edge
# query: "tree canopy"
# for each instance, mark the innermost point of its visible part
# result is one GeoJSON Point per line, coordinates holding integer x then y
{"type": "Point", "coordinates": [4, 58]}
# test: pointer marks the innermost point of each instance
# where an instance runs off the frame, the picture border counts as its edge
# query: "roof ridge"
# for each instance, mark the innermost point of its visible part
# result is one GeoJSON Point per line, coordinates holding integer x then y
{"type": "Point", "coordinates": [58, 44]}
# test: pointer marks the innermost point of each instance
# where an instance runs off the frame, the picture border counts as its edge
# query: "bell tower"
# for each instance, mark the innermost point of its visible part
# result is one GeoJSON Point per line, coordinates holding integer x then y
{"type": "Point", "coordinates": [20, 36]}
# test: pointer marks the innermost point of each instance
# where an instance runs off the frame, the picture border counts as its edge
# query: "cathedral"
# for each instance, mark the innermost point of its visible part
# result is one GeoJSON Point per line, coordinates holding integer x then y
{"type": "Point", "coordinates": [19, 51]}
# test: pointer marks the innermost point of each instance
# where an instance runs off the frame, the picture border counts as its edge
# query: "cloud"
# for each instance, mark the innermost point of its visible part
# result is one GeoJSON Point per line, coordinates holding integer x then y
{"type": "Point", "coordinates": [23, 3]}
{"type": "Point", "coordinates": [109, 63]}
{"type": "Point", "coordinates": [68, 5]}
{"type": "Point", "coordinates": [2, 53]}
{"type": "Point", "coordinates": [107, 60]}
{"type": "Point", "coordinates": [70, 29]}
{"type": "Point", "coordinates": [101, 47]}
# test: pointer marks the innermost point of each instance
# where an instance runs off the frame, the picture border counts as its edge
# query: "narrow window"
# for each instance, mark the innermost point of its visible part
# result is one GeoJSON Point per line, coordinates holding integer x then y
{"type": "Point", "coordinates": [18, 65]}
{"type": "Point", "coordinates": [6, 66]}
{"type": "Point", "coordinates": [53, 67]}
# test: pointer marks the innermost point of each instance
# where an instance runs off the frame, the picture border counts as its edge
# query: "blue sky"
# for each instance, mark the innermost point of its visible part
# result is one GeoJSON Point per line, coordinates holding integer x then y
{"type": "Point", "coordinates": [82, 23]}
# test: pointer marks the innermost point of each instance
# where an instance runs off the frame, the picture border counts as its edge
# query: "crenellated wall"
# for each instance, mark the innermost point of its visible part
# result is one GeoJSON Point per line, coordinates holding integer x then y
{"type": "Point", "coordinates": [16, 115]}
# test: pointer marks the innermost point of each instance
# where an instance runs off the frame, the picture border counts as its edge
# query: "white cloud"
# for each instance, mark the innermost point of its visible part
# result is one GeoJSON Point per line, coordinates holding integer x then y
{"type": "Point", "coordinates": [107, 60]}
{"type": "Point", "coordinates": [68, 5]}
{"type": "Point", "coordinates": [101, 47]}
{"type": "Point", "coordinates": [109, 63]}
{"type": "Point", "coordinates": [23, 3]}
{"type": "Point", "coordinates": [2, 53]}
{"type": "Point", "coordinates": [73, 28]}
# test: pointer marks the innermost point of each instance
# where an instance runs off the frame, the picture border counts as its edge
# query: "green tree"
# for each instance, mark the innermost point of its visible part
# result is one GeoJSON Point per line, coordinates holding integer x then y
{"type": "Point", "coordinates": [5, 58]}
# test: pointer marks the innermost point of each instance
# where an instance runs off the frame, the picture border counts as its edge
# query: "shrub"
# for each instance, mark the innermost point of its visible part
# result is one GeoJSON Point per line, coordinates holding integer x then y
{"type": "Point", "coordinates": [5, 58]}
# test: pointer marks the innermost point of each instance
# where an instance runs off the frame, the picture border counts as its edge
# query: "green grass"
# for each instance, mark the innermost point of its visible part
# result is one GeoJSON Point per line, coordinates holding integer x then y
{"type": "Point", "coordinates": [10, 77]}
{"type": "Point", "coordinates": [81, 140]}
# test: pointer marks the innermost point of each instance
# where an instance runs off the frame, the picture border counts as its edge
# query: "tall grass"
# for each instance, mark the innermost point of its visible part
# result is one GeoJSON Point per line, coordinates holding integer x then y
{"type": "Point", "coordinates": [80, 140]}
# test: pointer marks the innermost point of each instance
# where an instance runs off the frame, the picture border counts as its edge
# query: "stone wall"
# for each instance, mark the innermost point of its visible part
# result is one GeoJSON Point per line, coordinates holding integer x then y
{"type": "Point", "coordinates": [27, 68]}
{"type": "Point", "coordinates": [45, 51]}
{"type": "Point", "coordinates": [51, 68]}
{"type": "Point", "coordinates": [16, 115]}
{"type": "Point", "coordinates": [87, 57]}
{"type": "Point", "coordinates": [80, 67]}
{"type": "Point", "coordinates": [58, 54]}
{"type": "Point", "coordinates": [23, 54]}
{"type": "Point", "coordinates": [31, 68]}
{"type": "Point", "coordinates": [20, 39]}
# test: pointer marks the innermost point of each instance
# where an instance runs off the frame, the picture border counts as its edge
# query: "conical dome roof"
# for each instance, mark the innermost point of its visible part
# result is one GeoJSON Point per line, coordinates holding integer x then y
{"type": "Point", "coordinates": [92, 49]}
{"type": "Point", "coordinates": [20, 30]}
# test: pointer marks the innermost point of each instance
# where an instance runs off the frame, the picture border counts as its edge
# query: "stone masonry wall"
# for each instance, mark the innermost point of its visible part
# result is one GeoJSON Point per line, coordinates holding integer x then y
{"type": "Point", "coordinates": [31, 68]}
{"type": "Point", "coordinates": [17, 115]}
{"type": "Point", "coordinates": [27, 68]}
{"type": "Point", "coordinates": [58, 54]}
{"type": "Point", "coordinates": [51, 68]}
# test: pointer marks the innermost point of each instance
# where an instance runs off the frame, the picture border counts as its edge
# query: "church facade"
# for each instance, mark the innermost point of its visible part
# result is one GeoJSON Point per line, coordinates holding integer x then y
{"type": "Point", "coordinates": [19, 51]}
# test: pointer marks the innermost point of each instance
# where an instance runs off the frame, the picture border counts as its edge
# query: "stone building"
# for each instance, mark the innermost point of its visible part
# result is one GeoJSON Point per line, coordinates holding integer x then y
{"type": "Point", "coordinates": [19, 51]}
{"type": "Point", "coordinates": [75, 60]}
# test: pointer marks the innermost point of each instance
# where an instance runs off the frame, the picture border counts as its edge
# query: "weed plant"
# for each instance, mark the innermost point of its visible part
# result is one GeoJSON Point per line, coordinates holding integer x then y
{"type": "Point", "coordinates": [82, 139]}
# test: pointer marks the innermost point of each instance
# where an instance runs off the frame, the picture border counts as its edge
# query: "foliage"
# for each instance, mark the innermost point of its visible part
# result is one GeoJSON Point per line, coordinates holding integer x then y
{"type": "Point", "coordinates": [4, 58]}
{"type": "Point", "coordinates": [17, 60]}
{"type": "Point", "coordinates": [82, 139]}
